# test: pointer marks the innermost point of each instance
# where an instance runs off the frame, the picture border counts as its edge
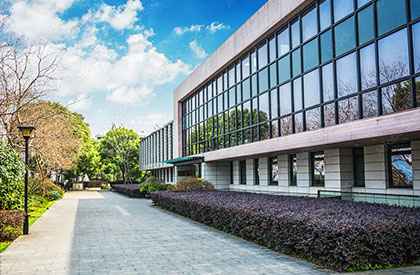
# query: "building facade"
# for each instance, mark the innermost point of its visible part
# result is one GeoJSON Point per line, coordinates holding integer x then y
{"type": "Point", "coordinates": [308, 96]}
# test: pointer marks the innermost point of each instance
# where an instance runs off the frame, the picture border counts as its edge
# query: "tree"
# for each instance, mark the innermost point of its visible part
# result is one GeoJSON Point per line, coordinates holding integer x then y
{"type": "Point", "coordinates": [119, 148]}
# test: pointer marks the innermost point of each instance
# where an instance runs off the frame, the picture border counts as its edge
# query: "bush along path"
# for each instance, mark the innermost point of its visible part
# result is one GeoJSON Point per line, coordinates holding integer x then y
{"type": "Point", "coordinates": [340, 235]}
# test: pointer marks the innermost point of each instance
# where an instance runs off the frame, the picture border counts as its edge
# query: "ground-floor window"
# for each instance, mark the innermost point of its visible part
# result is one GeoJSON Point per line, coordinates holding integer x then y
{"type": "Point", "coordinates": [318, 169]}
{"type": "Point", "coordinates": [359, 167]}
{"type": "Point", "coordinates": [242, 172]}
{"type": "Point", "coordinates": [400, 166]}
{"type": "Point", "coordinates": [273, 170]}
{"type": "Point", "coordinates": [197, 170]}
{"type": "Point", "coordinates": [293, 169]}
{"type": "Point", "coordinates": [256, 171]}
{"type": "Point", "coordinates": [231, 172]}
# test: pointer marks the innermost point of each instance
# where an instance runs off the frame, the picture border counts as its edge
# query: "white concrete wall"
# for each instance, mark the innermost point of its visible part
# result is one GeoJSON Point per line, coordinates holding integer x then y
{"type": "Point", "coordinates": [218, 173]}
{"type": "Point", "coordinates": [339, 169]}
{"type": "Point", "coordinates": [415, 147]}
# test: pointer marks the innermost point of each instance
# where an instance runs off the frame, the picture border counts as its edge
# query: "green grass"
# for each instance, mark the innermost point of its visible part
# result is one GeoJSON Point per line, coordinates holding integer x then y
{"type": "Point", "coordinates": [36, 209]}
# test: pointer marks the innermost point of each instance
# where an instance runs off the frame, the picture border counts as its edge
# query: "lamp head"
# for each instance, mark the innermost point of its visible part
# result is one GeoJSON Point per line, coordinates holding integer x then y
{"type": "Point", "coordinates": [26, 131]}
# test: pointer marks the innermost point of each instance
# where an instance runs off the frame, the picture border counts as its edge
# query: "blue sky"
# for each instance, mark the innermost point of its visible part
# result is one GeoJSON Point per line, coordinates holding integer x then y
{"type": "Point", "coordinates": [121, 60]}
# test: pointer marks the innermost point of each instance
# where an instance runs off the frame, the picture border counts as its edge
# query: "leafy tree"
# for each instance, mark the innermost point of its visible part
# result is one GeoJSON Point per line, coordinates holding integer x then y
{"type": "Point", "coordinates": [12, 169]}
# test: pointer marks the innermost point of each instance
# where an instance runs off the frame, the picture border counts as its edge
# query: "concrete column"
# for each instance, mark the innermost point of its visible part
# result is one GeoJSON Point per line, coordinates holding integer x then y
{"type": "Point", "coordinates": [250, 172]}
{"type": "Point", "coordinates": [265, 174]}
{"type": "Point", "coordinates": [375, 169]}
{"type": "Point", "coordinates": [303, 172]}
{"type": "Point", "coordinates": [415, 151]}
{"type": "Point", "coordinates": [218, 173]}
{"type": "Point", "coordinates": [284, 175]}
{"type": "Point", "coordinates": [339, 169]}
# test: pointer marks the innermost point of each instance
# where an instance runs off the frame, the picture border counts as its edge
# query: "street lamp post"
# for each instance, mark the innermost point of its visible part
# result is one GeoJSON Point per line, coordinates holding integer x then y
{"type": "Point", "coordinates": [26, 131]}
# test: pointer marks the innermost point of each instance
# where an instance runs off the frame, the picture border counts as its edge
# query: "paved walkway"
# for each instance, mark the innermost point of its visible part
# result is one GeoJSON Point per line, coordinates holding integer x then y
{"type": "Point", "coordinates": [107, 233]}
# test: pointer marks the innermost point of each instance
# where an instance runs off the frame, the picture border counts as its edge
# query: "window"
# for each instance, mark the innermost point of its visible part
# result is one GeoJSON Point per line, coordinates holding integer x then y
{"type": "Point", "coordinates": [264, 107]}
{"type": "Point", "coordinates": [232, 97]}
{"type": "Point", "coordinates": [263, 80]}
{"type": "Point", "coordinates": [231, 172]}
{"type": "Point", "coordinates": [391, 14]}
{"type": "Point", "coordinates": [246, 89]}
{"type": "Point", "coordinates": [342, 8]}
{"type": "Point", "coordinates": [293, 170]}
{"type": "Point", "coordinates": [348, 109]}
{"type": "Point", "coordinates": [313, 119]}
{"type": "Point", "coordinates": [284, 68]}
{"type": "Point", "coordinates": [359, 167]}
{"type": "Point", "coordinates": [416, 42]}
{"type": "Point", "coordinates": [297, 94]}
{"type": "Point", "coordinates": [295, 33]}
{"type": "Point", "coordinates": [253, 62]}
{"type": "Point", "coordinates": [285, 99]}
{"type": "Point", "coordinates": [328, 82]}
{"type": "Point", "coordinates": [283, 42]}
{"type": "Point", "coordinates": [310, 54]}
{"type": "Point", "coordinates": [368, 66]}
{"type": "Point", "coordinates": [370, 104]}
{"type": "Point", "coordinates": [346, 75]}
{"type": "Point", "coordinates": [318, 169]}
{"type": "Point", "coordinates": [298, 122]}
{"type": "Point", "coordinates": [274, 170]}
{"type": "Point", "coordinates": [296, 61]}
{"type": "Point", "coordinates": [309, 24]}
{"type": "Point", "coordinates": [273, 75]}
{"type": "Point", "coordinates": [326, 46]}
{"type": "Point", "coordinates": [311, 88]}
{"type": "Point", "coordinates": [274, 103]}
{"type": "Point", "coordinates": [365, 25]}
{"type": "Point", "coordinates": [245, 67]}
{"type": "Point", "coordinates": [242, 172]}
{"type": "Point", "coordinates": [400, 166]}
{"type": "Point", "coordinates": [344, 36]}
{"type": "Point", "coordinates": [231, 76]}
{"type": "Point", "coordinates": [325, 14]}
{"type": "Point", "coordinates": [393, 56]}
{"type": "Point", "coordinates": [396, 97]}
{"type": "Point", "coordinates": [262, 56]}
{"type": "Point", "coordinates": [272, 48]}
{"type": "Point", "coordinates": [329, 115]}
{"type": "Point", "coordinates": [415, 9]}
{"type": "Point", "coordinates": [360, 3]}
{"type": "Point", "coordinates": [256, 172]}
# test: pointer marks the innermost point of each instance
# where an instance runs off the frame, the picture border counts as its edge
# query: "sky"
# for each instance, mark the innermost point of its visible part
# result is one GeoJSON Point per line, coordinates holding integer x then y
{"type": "Point", "coordinates": [121, 60]}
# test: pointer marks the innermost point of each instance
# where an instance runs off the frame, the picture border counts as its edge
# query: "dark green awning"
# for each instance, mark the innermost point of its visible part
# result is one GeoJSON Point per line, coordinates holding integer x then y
{"type": "Point", "coordinates": [183, 159]}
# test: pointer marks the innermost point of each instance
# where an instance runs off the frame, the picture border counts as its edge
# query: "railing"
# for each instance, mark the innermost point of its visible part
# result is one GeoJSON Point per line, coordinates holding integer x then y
{"type": "Point", "coordinates": [400, 200]}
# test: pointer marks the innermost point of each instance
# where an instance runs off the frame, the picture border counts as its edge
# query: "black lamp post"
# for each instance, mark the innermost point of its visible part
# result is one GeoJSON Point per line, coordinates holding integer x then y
{"type": "Point", "coordinates": [26, 131]}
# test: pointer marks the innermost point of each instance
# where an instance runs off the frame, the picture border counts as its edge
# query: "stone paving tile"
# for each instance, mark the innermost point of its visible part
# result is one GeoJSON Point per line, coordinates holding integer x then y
{"type": "Point", "coordinates": [107, 233]}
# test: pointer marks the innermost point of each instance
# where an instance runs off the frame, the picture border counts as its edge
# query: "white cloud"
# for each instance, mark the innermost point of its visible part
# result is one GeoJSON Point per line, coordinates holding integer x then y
{"type": "Point", "coordinates": [149, 122]}
{"type": "Point", "coordinates": [198, 51]}
{"type": "Point", "coordinates": [38, 20]}
{"type": "Point", "coordinates": [215, 26]}
{"type": "Point", "coordinates": [121, 17]}
{"type": "Point", "coordinates": [81, 103]}
{"type": "Point", "coordinates": [192, 28]}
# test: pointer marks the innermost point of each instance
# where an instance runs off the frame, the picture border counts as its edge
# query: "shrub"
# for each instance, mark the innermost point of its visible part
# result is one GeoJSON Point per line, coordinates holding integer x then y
{"type": "Point", "coordinates": [131, 190]}
{"type": "Point", "coordinates": [154, 180]}
{"type": "Point", "coordinates": [12, 170]}
{"type": "Point", "coordinates": [53, 195]}
{"type": "Point", "coordinates": [341, 235]}
{"type": "Point", "coordinates": [153, 187]}
{"type": "Point", "coordinates": [42, 188]}
{"type": "Point", "coordinates": [191, 184]}
{"type": "Point", "coordinates": [92, 184]}
{"type": "Point", "coordinates": [11, 223]}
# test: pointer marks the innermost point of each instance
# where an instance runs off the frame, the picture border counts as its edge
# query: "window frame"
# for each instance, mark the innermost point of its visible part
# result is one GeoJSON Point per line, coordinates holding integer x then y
{"type": "Point", "coordinates": [389, 163]}
{"type": "Point", "coordinates": [292, 179]}
{"type": "Point", "coordinates": [242, 172]}
{"type": "Point", "coordinates": [270, 170]}
{"type": "Point", "coordinates": [356, 182]}
{"type": "Point", "coordinates": [313, 158]}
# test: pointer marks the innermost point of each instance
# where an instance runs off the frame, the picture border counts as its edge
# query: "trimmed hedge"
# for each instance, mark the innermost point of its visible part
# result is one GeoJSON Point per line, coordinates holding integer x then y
{"type": "Point", "coordinates": [93, 184]}
{"type": "Point", "coordinates": [341, 235]}
{"type": "Point", "coordinates": [11, 223]}
{"type": "Point", "coordinates": [131, 190]}
{"type": "Point", "coordinates": [191, 184]}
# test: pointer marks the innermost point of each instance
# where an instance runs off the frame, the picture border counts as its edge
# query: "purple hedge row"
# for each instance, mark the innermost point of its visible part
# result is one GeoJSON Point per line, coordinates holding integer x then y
{"type": "Point", "coordinates": [131, 190]}
{"type": "Point", "coordinates": [11, 222]}
{"type": "Point", "coordinates": [341, 235]}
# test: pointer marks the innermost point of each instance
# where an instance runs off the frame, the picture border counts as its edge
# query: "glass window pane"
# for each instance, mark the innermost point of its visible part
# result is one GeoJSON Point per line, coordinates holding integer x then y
{"type": "Point", "coordinates": [238, 72]}
{"type": "Point", "coordinates": [368, 66]}
{"type": "Point", "coordinates": [329, 115]}
{"type": "Point", "coordinates": [238, 93]}
{"type": "Point", "coordinates": [298, 122]}
{"type": "Point", "coordinates": [313, 119]}
{"type": "Point", "coordinates": [274, 103]}
{"type": "Point", "coordinates": [309, 24]}
{"type": "Point", "coordinates": [416, 43]}
{"type": "Point", "coordinates": [311, 88]}
{"type": "Point", "coordinates": [346, 75]}
{"type": "Point", "coordinates": [262, 56]}
{"type": "Point", "coordinates": [396, 97]}
{"type": "Point", "coordinates": [310, 55]}
{"type": "Point", "coordinates": [348, 110]}
{"type": "Point", "coordinates": [225, 82]}
{"type": "Point", "coordinates": [296, 61]}
{"type": "Point", "coordinates": [283, 42]}
{"type": "Point", "coordinates": [360, 3]}
{"type": "Point", "coordinates": [344, 36]}
{"type": "Point", "coordinates": [273, 75]}
{"type": "Point", "coordinates": [246, 90]}
{"type": "Point", "coordinates": [285, 99]}
{"type": "Point", "coordinates": [328, 82]}
{"type": "Point", "coordinates": [272, 47]}
{"type": "Point", "coordinates": [342, 8]}
{"type": "Point", "coordinates": [245, 67]}
{"type": "Point", "coordinates": [231, 76]}
{"type": "Point", "coordinates": [219, 86]}
{"type": "Point", "coordinates": [365, 25]}
{"type": "Point", "coordinates": [284, 69]}
{"type": "Point", "coordinates": [254, 85]}
{"type": "Point", "coordinates": [254, 111]}
{"type": "Point", "coordinates": [295, 34]}
{"type": "Point", "coordinates": [297, 94]}
{"type": "Point", "coordinates": [274, 128]}
{"type": "Point", "coordinates": [370, 104]}
{"type": "Point", "coordinates": [286, 126]}
{"type": "Point", "coordinates": [326, 46]}
{"type": "Point", "coordinates": [293, 169]}
{"type": "Point", "coordinates": [246, 114]}
{"type": "Point", "coordinates": [318, 169]}
{"type": "Point", "coordinates": [263, 80]}
{"type": "Point", "coordinates": [415, 9]}
{"type": "Point", "coordinates": [401, 166]}
{"type": "Point", "coordinates": [264, 107]}
{"type": "Point", "coordinates": [232, 97]}
{"type": "Point", "coordinates": [253, 62]}
{"type": "Point", "coordinates": [393, 56]}
{"type": "Point", "coordinates": [391, 14]}
{"type": "Point", "coordinates": [325, 14]}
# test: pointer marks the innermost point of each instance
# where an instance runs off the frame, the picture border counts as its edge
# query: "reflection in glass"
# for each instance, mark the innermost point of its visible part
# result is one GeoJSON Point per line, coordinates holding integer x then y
{"type": "Point", "coordinates": [238, 72]}
{"type": "Point", "coordinates": [219, 103]}
{"type": "Point", "coordinates": [284, 69]}
{"type": "Point", "coordinates": [311, 88]}
{"type": "Point", "coordinates": [262, 56]}
{"type": "Point", "coordinates": [313, 119]}
{"type": "Point", "coordinates": [295, 34]}
{"type": "Point", "coordinates": [246, 90]}
{"type": "Point", "coordinates": [368, 66]}
{"type": "Point", "coordinates": [272, 48]}
{"type": "Point", "coordinates": [370, 104]}
{"type": "Point", "coordinates": [309, 24]}
{"type": "Point", "coordinates": [347, 75]}
{"type": "Point", "coordinates": [365, 25]}
{"type": "Point", "coordinates": [360, 3]}
{"type": "Point", "coordinates": [393, 56]}
{"type": "Point", "coordinates": [225, 81]}
{"type": "Point", "coordinates": [342, 8]}
{"type": "Point", "coordinates": [310, 54]}
{"type": "Point", "coordinates": [264, 131]}
{"type": "Point", "coordinates": [274, 103]}
{"type": "Point", "coordinates": [329, 115]}
{"type": "Point", "coordinates": [390, 14]}
{"type": "Point", "coordinates": [348, 110]}
{"type": "Point", "coordinates": [326, 46]}
{"type": "Point", "coordinates": [318, 169]}
{"type": "Point", "coordinates": [285, 99]}
{"type": "Point", "coordinates": [231, 76]}
{"type": "Point", "coordinates": [345, 39]}
{"type": "Point", "coordinates": [245, 67]}
{"type": "Point", "coordinates": [254, 85]}
{"type": "Point", "coordinates": [416, 46]}
{"type": "Point", "coordinates": [219, 88]}
{"type": "Point", "coordinates": [286, 126]}
{"type": "Point", "coordinates": [325, 14]}
{"type": "Point", "coordinates": [232, 97]}
{"type": "Point", "coordinates": [263, 107]}
{"type": "Point", "coordinates": [274, 128]}
{"type": "Point", "coordinates": [296, 62]}
{"type": "Point", "coordinates": [298, 122]}
{"type": "Point", "coordinates": [415, 9]}
{"type": "Point", "coordinates": [253, 62]}
{"type": "Point", "coordinates": [246, 114]}
{"type": "Point", "coordinates": [297, 94]}
{"type": "Point", "coordinates": [283, 42]}
{"type": "Point", "coordinates": [396, 97]}
{"type": "Point", "coordinates": [263, 80]}
{"type": "Point", "coordinates": [273, 75]}
{"type": "Point", "coordinates": [328, 82]}
{"type": "Point", "coordinates": [401, 166]}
